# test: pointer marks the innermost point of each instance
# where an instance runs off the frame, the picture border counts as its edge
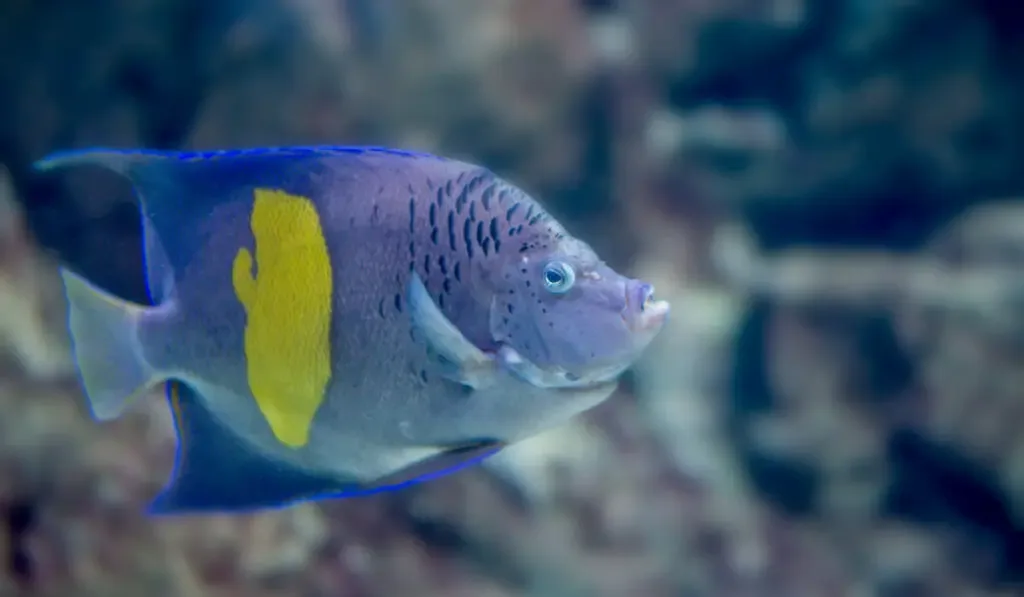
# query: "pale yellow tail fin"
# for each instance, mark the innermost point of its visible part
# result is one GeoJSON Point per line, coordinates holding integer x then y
{"type": "Point", "coordinates": [104, 340]}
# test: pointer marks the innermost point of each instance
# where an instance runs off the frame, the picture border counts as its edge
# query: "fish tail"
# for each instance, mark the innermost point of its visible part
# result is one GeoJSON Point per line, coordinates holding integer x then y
{"type": "Point", "coordinates": [105, 345]}
{"type": "Point", "coordinates": [146, 170]}
{"type": "Point", "coordinates": [121, 161]}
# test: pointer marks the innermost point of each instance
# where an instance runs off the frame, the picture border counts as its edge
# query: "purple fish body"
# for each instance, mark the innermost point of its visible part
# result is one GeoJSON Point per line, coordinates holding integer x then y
{"type": "Point", "coordinates": [342, 319]}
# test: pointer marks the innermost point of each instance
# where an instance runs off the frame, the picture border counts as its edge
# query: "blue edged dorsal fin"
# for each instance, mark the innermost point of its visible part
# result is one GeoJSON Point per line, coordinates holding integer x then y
{"type": "Point", "coordinates": [215, 472]}
{"type": "Point", "coordinates": [178, 192]}
{"type": "Point", "coordinates": [178, 189]}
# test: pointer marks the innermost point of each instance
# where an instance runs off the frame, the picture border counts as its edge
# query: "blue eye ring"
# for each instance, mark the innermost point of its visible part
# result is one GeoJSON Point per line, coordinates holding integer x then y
{"type": "Point", "coordinates": [559, 277]}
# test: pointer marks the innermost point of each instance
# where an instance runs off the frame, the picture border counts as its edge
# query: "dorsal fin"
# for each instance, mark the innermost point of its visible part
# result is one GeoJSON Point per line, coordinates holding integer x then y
{"type": "Point", "coordinates": [178, 188]}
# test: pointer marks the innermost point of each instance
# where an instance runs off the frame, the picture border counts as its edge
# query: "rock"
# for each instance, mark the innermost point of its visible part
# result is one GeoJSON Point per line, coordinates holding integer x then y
{"type": "Point", "coordinates": [30, 301]}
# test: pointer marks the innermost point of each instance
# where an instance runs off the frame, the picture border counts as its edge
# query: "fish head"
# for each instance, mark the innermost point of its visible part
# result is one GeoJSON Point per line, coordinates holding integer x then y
{"type": "Point", "coordinates": [564, 318]}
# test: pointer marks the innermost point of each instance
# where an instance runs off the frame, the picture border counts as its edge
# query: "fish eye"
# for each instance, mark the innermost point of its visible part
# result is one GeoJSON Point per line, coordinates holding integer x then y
{"type": "Point", "coordinates": [559, 277]}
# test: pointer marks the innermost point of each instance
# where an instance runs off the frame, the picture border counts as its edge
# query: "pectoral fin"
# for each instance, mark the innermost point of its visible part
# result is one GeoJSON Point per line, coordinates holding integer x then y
{"type": "Point", "coordinates": [455, 356]}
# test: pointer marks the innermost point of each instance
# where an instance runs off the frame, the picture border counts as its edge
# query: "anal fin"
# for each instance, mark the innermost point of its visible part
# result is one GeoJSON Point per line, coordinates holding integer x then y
{"type": "Point", "coordinates": [444, 463]}
{"type": "Point", "coordinates": [214, 472]}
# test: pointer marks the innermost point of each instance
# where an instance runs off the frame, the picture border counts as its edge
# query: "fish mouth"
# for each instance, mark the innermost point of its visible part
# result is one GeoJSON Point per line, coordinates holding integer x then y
{"type": "Point", "coordinates": [644, 314]}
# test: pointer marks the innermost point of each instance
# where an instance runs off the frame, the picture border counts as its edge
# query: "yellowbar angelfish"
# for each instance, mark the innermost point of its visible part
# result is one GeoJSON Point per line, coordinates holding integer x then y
{"type": "Point", "coordinates": [332, 321]}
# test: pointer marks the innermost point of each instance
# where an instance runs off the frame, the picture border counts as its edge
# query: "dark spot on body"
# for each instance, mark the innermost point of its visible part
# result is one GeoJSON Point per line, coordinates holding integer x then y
{"type": "Point", "coordinates": [433, 215]}
{"type": "Point", "coordinates": [398, 302]}
{"type": "Point", "coordinates": [468, 238]}
{"type": "Point", "coordinates": [492, 227]}
{"type": "Point", "coordinates": [511, 210]}
{"type": "Point", "coordinates": [442, 264]}
{"type": "Point", "coordinates": [423, 375]}
{"type": "Point", "coordinates": [451, 230]}
{"type": "Point", "coordinates": [426, 264]}
{"type": "Point", "coordinates": [412, 215]}
{"type": "Point", "coordinates": [480, 233]}
{"type": "Point", "coordinates": [380, 308]}
{"type": "Point", "coordinates": [447, 285]}
{"type": "Point", "coordinates": [486, 246]}
{"type": "Point", "coordinates": [529, 212]}
{"type": "Point", "coordinates": [433, 235]}
{"type": "Point", "coordinates": [439, 198]}
{"type": "Point", "coordinates": [440, 301]}
{"type": "Point", "coordinates": [412, 249]}
{"type": "Point", "coordinates": [457, 271]}
{"type": "Point", "coordinates": [448, 186]}
{"type": "Point", "coordinates": [510, 308]}
{"type": "Point", "coordinates": [462, 200]}
{"type": "Point", "coordinates": [482, 177]}
{"type": "Point", "coordinates": [375, 216]}
{"type": "Point", "coordinates": [487, 195]}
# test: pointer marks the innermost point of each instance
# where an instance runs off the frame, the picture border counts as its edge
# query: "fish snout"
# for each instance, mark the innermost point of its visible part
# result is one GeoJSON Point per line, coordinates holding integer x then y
{"type": "Point", "coordinates": [643, 312]}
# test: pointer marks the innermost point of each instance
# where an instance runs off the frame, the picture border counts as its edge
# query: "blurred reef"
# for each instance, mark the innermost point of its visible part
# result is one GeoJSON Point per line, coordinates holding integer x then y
{"type": "Point", "coordinates": [829, 192]}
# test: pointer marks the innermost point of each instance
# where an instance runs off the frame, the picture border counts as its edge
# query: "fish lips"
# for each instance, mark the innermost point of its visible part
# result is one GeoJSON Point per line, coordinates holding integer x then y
{"type": "Point", "coordinates": [643, 314]}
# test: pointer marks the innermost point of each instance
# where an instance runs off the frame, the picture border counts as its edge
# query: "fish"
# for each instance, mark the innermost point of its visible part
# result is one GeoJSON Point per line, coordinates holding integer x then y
{"type": "Point", "coordinates": [336, 321]}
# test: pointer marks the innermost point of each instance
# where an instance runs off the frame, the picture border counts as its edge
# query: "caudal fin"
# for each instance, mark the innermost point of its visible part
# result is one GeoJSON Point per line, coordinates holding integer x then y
{"type": "Point", "coordinates": [103, 338]}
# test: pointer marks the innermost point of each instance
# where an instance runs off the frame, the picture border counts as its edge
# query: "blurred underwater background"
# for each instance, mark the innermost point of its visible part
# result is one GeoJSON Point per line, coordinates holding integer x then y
{"type": "Point", "coordinates": [828, 192]}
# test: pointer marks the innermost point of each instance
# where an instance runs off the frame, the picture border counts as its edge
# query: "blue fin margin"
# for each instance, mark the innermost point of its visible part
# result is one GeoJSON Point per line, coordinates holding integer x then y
{"type": "Point", "coordinates": [215, 473]}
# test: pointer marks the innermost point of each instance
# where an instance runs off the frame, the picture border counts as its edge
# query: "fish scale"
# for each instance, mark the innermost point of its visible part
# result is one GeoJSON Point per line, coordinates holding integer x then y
{"type": "Point", "coordinates": [336, 320]}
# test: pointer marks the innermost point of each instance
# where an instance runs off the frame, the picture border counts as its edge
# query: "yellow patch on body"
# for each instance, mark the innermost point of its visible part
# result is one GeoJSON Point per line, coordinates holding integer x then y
{"type": "Point", "coordinates": [288, 309]}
